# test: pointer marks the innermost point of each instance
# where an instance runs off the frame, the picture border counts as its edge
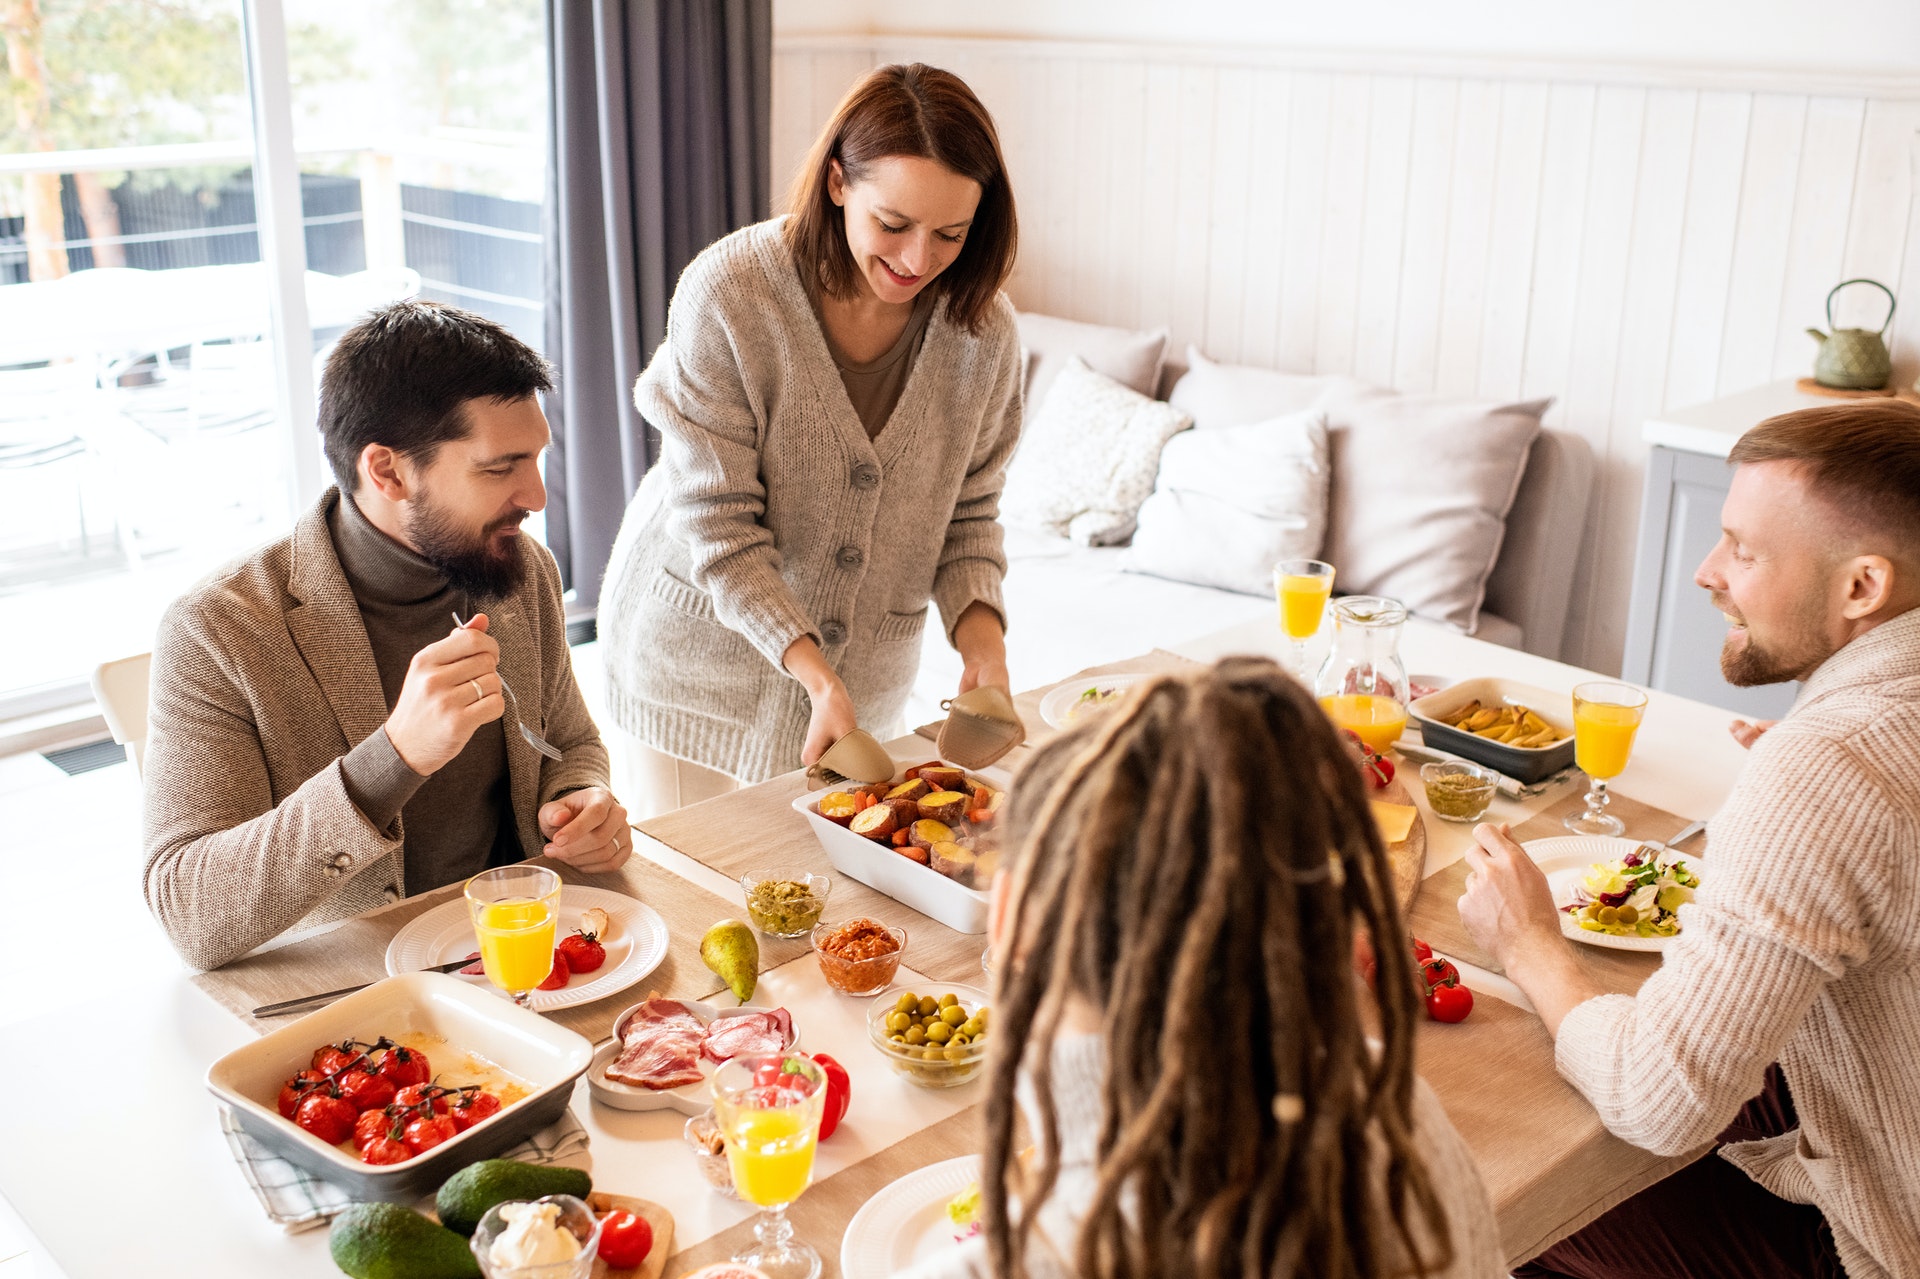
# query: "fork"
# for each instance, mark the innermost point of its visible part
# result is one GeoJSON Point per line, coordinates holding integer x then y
{"type": "Point", "coordinates": [534, 739]}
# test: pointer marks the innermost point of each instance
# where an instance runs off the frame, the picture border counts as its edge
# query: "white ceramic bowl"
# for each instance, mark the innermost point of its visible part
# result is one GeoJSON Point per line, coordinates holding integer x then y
{"type": "Point", "coordinates": [1063, 706]}
{"type": "Point", "coordinates": [472, 1020]}
{"type": "Point", "coordinates": [878, 865]}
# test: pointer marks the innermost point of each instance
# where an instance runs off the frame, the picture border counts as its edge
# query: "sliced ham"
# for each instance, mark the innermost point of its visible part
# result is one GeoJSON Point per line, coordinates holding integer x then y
{"type": "Point", "coordinates": [660, 1047]}
{"type": "Point", "coordinates": [749, 1035]}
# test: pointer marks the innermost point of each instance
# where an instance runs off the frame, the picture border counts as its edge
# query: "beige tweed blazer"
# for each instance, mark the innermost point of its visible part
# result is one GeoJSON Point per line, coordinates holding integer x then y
{"type": "Point", "coordinates": [263, 678]}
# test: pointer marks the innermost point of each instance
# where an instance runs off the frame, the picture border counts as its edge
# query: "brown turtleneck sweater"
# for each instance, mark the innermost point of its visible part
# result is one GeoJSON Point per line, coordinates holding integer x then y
{"type": "Point", "coordinates": [458, 821]}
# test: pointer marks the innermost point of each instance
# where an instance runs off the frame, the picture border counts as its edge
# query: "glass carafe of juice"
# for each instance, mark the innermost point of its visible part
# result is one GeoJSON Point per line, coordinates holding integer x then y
{"type": "Point", "coordinates": [1362, 685]}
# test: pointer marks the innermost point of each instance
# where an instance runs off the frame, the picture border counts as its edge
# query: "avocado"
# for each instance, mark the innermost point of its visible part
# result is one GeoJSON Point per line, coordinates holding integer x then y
{"type": "Point", "coordinates": [388, 1241]}
{"type": "Point", "coordinates": [467, 1195]}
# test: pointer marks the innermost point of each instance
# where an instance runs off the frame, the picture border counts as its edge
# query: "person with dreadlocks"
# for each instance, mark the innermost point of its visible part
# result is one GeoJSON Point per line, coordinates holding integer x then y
{"type": "Point", "coordinates": [1179, 1018]}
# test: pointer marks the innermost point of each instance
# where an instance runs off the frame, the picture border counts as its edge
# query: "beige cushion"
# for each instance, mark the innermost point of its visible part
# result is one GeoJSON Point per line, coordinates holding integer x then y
{"type": "Point", "coordinates": [1130, 358]}
{"type": "Point", "coordinates": [1217, 395]}
{"type": "Point", "coordinates": [1420, 493]}
{"type": "Point", "coordinates": [1088, 459]}
{"type": "Point", "coordinates": [1232, 502]}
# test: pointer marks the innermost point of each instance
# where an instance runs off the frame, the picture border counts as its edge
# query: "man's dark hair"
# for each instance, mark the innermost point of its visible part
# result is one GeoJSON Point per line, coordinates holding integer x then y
{"type": "Point", "coordinates": [400, 377]}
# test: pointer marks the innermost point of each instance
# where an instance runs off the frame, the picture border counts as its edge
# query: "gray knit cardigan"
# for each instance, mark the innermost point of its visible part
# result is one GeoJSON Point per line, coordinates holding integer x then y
{"type": "Point", "coordinates": [771, 515]}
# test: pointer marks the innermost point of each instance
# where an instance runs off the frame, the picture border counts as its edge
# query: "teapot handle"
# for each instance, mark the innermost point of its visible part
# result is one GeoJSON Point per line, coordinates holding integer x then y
{"type": "Point", "coordinates": [1876, 284]}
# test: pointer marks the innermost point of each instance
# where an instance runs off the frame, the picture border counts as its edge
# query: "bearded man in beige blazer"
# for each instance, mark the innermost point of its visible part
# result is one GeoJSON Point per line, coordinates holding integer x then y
{"type": "Point", "coordinates": [323, 737]}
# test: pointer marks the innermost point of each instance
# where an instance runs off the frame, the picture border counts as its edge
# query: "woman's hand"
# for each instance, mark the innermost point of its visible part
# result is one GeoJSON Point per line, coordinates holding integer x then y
{"type": "Point", "coordinates": [833, 714]}
{"type": "Point", "coordinates": [982, 642]}
{"type": "Point", "coordinates": [833, 718]}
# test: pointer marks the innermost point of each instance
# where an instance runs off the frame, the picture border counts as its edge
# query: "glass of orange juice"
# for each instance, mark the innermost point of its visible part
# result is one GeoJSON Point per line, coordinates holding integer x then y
{"type": "Point", "coordinates": [1605, 718]}
{"type": "Point", "coordinates": [513, 910]}
{"type": "Point", "coordinates": [1302, 588]}
{"type": "Point", "coordinates": [768, 1110]}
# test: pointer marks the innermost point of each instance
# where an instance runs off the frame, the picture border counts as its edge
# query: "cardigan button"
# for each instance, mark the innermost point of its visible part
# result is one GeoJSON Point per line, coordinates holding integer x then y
{"type": "Point", "coordinates": [866, 476]}
{"type": "Point", "coordinates": [852, 557]}
{"type": "Point", "coordinates": [833, 632]}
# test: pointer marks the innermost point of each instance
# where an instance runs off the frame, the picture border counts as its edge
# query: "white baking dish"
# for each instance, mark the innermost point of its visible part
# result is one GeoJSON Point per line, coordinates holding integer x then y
{"type": "Point", "coordinates": [880, 866]}
{"type": "Point", "coordinates": [471, 1019]}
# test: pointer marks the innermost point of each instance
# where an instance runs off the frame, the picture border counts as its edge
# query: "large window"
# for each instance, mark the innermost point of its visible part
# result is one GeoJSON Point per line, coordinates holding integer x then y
{"type": "Point", "coordinates": [142, 438]}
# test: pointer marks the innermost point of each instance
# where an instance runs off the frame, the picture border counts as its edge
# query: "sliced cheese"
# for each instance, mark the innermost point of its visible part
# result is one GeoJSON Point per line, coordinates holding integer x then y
{"type": "Point", "coordinates": [1394, 820]}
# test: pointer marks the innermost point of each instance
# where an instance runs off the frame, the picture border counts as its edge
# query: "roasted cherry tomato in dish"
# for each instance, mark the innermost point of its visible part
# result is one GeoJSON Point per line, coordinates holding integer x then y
{"type": "Point", "coordinates": [625, 1239]}
{"type": "Point", "coordinates": [403, 1066]}
{"type": "Point", "coordinates": [426, 1133]}
{"type": "Point", "coordinates": [1449, 1002]}
{"type": "Point", "coordinates": [365, 1091]}
{"type": "Point", "coordinates": [327, 1117]}
{"type": "Point", "coordinates": [296, 1089]}
{"type": "Point", "coordinates": [583, 952]}
{"type": "Point", "coordinates": [414, 1095]}
{"type": "Point", "coordinates": [558, 974]}
{"type": "Point", "coordinates": [385, 1150]}
{"type": "Point", "coordinates": [469, 1108]}
{"type": "Point", "coordinates": [372, 1125]}
{"type": "Point", "coordinates": [330, 1058]}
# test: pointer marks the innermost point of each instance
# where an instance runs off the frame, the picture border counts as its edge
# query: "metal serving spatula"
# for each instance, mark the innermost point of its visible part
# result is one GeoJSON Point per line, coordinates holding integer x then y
{"type": "Point", "coordinates": [534, 739]}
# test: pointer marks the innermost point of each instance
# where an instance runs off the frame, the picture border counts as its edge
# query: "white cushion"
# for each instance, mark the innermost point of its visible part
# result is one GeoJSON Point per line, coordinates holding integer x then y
{"type": "Point", "coordinates": [1419, 498]}
{"type": "Point", "coordinates": [1089, 458]}
{"type": "Point", "coordinates": [1217, 395]}
{"type": "Point", "coordinates": [1233, 501]}
{"type": "Point", "coordinates": [1128, 357]}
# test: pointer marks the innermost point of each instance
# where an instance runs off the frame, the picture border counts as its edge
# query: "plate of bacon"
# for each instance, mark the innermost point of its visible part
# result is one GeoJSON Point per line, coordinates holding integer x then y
{"type": "Point", "coordinates": [664, 1050]}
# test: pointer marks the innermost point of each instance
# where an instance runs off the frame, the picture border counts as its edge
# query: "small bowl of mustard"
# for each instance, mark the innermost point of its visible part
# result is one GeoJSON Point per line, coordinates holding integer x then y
{"type": "Point", "coordinates": [1458, 791]}
{"type": "Point", "coordinates": [785, 905]}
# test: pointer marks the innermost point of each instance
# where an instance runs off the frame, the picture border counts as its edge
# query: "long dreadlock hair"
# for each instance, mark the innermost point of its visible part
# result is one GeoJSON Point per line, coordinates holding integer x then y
{"type": "Point", "coordinates": [1194, 864]}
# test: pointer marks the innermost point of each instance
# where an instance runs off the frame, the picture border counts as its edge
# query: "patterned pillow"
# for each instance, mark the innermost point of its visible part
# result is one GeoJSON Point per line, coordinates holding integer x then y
{"type": "Point", "coordinates": [1089, 458]}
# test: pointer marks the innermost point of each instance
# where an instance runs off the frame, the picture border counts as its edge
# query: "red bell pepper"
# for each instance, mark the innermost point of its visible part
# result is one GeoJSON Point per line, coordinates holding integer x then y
{"type": "Point", "coordinates": [839, 1093]}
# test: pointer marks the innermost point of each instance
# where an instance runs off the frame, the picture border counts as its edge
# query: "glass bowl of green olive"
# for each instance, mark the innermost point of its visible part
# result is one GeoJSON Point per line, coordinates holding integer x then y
{"type": "Point", "coordinates": [935, 1036]}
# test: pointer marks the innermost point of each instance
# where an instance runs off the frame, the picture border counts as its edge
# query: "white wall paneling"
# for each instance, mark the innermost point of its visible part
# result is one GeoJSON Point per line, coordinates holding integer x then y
{"type": "Point", "coordinates": [1623, 239]}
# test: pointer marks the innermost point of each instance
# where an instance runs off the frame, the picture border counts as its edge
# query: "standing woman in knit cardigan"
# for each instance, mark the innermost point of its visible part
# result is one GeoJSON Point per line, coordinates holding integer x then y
{"type": "Point", "coordinates": [837, 397]}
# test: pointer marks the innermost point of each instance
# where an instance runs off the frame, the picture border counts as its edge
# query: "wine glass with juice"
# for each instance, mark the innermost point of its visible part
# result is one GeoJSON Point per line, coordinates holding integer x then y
{"type": "Point", "coordinates": [768, 1109]}
{"type": "Point", "coordinates": [1302, 588]}
{"type": "Point", "coordinates": [514, 909]}
{"type": "Point", "coordinates": [1605, 718]}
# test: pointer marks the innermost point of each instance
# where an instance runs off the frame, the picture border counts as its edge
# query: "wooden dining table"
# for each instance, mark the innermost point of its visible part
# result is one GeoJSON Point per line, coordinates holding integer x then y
{"type": "Point", "coordinates": [137, 1144]}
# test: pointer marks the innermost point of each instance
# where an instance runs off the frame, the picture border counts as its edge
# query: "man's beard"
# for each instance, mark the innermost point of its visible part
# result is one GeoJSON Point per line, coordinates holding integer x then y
{"type": "Point", "coordinates": [1792, 655]}
{"type": "Point", "coordinates": [471, 564]}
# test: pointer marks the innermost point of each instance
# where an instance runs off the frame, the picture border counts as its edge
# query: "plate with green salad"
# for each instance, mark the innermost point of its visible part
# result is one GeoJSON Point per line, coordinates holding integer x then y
{"type": "Point", "coordinates": [1623, 894]}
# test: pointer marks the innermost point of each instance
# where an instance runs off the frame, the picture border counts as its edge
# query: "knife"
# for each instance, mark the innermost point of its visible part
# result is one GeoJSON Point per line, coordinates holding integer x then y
{"type": "Point", "coordinates": [1685, 833]}
{"type": "Point", "coordinates": [305, 1002]}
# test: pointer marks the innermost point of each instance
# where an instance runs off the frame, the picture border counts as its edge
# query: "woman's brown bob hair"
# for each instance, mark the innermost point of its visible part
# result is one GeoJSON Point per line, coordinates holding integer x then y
{"type": "Point", "coordinates": [914, 110]}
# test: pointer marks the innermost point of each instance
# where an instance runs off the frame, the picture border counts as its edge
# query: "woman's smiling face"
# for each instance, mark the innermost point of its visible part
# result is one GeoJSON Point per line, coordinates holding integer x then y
{"type": "Point", "coordinates": [906, 219]}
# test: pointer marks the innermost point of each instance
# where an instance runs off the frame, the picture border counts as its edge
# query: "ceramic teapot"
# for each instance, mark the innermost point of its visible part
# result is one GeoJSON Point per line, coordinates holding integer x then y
{"type": "Point", "coordinates": [1853, 359]}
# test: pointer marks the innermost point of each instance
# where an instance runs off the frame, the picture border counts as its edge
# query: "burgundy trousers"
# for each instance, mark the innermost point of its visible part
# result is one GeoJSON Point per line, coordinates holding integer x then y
{"type": "Point", "coordinates": [1707, 1221]}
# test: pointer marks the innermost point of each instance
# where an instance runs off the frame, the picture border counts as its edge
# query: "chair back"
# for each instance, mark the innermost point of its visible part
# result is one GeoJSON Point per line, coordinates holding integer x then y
{"type": "Point", "coordinates": [120, 686]}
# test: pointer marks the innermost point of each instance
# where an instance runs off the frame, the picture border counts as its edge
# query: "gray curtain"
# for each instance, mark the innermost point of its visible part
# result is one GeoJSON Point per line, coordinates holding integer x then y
{"type": "Point", "coordinates": [658, 147]}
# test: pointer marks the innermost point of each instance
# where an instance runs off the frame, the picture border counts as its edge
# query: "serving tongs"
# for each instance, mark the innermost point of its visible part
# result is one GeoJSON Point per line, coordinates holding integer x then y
{"type": "Point", "coordinates": [855, 757]}
{"type": "Point", "coordinates": [981, 726]}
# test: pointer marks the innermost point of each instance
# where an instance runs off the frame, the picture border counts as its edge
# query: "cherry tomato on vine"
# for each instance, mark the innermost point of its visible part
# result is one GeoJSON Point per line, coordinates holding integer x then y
{"type": "Point", "coordinates": [327, 1117]}
{"type": "Point", "coordinates": [365, 1091]}
{"type": "Point", "coordinates": [414, 1095]}
{"type": "Point", "coordinates": [371, 1125]}
{"type": "Point", "coordinates": [1449, 1002]}
{"type": "Point", "coordinates": [469, 1108]}
{"type": "Point", "coordinates": [329, 1058]}
{"type": "Point", "coordinates": [1421, 951]}
{"type": "Point", "coordinates": [295, 1090]}
{"type": "Point", "coordinates": [426, 1133]}
{"type": "Point", "coordinates": [385, 1150]}
{"type": "Point", "coordinates": [404, 1066]}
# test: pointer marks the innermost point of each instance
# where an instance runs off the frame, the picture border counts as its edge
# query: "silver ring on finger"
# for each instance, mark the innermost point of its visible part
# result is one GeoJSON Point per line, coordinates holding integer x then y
{"type": "Point", "coordinates": [479, 694]}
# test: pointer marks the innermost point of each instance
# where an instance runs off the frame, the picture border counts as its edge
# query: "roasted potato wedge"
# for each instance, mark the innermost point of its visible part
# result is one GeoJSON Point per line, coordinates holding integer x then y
{"type": "Point", "coordinates": [928, 832]}
{"type": "Point", "coordinates": [912, 788]}
{"type": "Point", "coordinates": [955, 861]}
{"type": "Point", "coordinates": [943, 777]}
{"type": "Point", "coordinates": [947, 806]}
{"type": "Point", "coordinates": [876, 822]}
{"type": "Point", "coordinates": [838, 807]}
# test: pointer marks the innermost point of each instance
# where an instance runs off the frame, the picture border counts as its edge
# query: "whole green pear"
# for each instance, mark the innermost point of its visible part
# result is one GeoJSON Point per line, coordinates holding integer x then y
{"type": "Point", "coordinates": [730, 950]}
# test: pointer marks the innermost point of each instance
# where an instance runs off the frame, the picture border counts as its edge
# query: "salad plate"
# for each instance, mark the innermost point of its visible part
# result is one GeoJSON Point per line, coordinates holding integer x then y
{"type": "Point", "coordinates": [1565, 860]}
{"type": "Point", "coordinates": [906, 1221]}
{"type": "Point", "coordinates": [635, 946]}
{"type": "Point", "coordinates": [1064, 706]}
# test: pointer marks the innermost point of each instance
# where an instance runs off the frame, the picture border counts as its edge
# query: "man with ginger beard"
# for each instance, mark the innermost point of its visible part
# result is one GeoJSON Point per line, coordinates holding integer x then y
{"type": "Point", "coordinates": [323, 737]}
{"type": "Point", "coordinates": [1780, 1026]}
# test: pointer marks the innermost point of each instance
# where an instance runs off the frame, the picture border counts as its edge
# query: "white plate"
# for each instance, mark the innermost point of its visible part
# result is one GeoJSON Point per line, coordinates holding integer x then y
{"type": "Point", "coordinates": [906, 1222]}
{"type": "Point", "coordinates": [1057, 707]}
{"type": "Point", "coordinates": [1565, 859]}
{"type": "Point", "coordinates": [637, 945]}
{"type": "Point", "coordinates": [688, 1099]}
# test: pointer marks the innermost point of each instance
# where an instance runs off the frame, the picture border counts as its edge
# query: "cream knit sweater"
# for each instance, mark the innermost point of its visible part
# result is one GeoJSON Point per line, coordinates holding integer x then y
{"type": "Point", "coordinates": [1079, 1071]}
{"type": "Point", "coordinates": [1802, 946]}
{"type": "Point", "coordinates": [771, 515]}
